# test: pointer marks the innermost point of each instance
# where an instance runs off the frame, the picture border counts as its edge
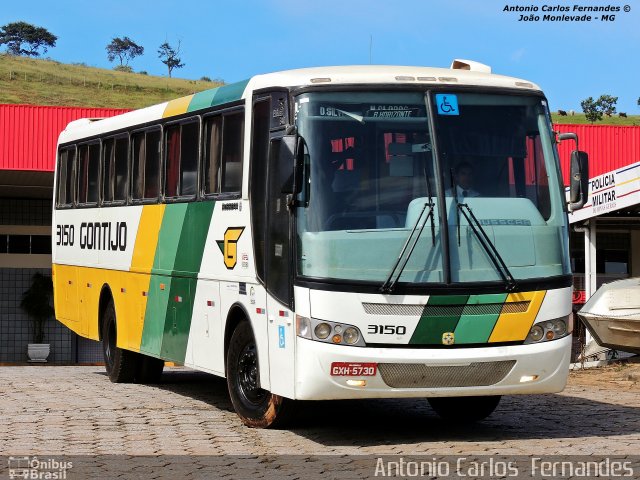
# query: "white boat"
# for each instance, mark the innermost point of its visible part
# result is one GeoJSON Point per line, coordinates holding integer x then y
{"type": "Point", "coordinates": [612, 315]}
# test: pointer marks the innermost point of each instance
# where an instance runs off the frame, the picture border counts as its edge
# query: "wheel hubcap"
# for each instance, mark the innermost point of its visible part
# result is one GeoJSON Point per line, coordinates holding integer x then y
{"type": "Point", "coordinates": [248, 375]}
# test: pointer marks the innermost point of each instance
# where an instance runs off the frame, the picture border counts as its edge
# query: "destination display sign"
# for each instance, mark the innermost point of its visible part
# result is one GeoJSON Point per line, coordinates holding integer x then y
{"type": "Point", "coordinates": [361, 111]}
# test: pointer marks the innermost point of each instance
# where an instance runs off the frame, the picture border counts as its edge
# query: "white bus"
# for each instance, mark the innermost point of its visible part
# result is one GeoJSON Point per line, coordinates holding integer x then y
{"type": "Point", "coordinates": [324, 233]}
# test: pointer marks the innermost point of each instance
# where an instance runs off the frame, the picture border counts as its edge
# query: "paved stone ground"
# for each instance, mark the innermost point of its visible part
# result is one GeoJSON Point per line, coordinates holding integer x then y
{"type": "Point", "coordinates": [76, 411]}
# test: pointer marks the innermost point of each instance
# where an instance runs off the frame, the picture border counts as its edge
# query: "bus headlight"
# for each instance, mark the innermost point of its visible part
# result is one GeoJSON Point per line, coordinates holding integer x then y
{"type": "Point", "coordinates": [548, 330]}
{"type": "Point", "coordinates": [322, 330]}
{"type": "Point", "coordinates": [351, 335]}
{"type": "Point", "coordinates": [328, 332]}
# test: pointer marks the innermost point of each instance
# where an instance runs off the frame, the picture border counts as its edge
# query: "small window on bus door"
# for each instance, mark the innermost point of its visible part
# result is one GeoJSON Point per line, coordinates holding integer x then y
{"type": "Point", "coordinates": [223, 142]}
{"type": "Point", "coordinates": [66, 161]}
{"type": "Point", "coordinates": [146, 164]}
{"type": "Point", "coordinates": [114, 172]}
{"type": "Point", "coordinates": [181, 160]}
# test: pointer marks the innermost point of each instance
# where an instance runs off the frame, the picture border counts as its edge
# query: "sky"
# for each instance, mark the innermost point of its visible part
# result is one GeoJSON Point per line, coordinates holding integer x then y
{"type": "Point", "coordinates": [235, 39]}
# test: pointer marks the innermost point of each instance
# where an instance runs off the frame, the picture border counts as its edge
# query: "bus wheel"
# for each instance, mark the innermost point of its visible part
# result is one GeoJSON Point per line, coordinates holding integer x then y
{"type": "Point", "coordinates": [149, 369]}
{"type": "Point", "coordinates": [464, 409]}
{"type": "Point", "coordinates": [255, 406]}
{"type": "Point", "coordinates": [120, 364]}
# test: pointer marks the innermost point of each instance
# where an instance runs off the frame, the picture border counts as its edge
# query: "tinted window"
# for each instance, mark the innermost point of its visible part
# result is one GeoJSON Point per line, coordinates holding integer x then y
{"type": "Point", "coordinates": [114, 173]}
{"type": "Point", "coordinates": [223, 153]}
{"type": "Point", "coordinates": [65, 176]}
{"type": "Point", "coordinates": [181, 170]}
{"type": "Point", "coordinates": [232, 135]}
{"type": "Point", "coordinates": [89, 165]}
{"type": "Point", "coordinates": [259, 149]}
{"type": "Point", "coordinates": [146, 157]}
{"type": "Point", "coordinates": [19, 243]}
{"type": "Point", "coordinates": [213, 134]}
{"type": "Point", "coordinates": [41, 244]}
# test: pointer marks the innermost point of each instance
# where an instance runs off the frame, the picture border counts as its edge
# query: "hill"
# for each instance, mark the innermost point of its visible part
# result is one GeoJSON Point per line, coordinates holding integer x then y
{"type": "Point", "coordinates": [580, 119]}
{"type": "Point", "coordinates": [47, 82]}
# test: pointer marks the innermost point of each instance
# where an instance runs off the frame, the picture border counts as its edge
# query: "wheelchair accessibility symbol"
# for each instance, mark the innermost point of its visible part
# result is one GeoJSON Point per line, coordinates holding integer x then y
{"type": "Point", "coordinates": [447, 104]}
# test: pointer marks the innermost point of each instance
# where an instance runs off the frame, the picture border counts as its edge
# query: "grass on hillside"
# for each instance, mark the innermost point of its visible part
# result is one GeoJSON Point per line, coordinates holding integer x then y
{"type": "Point", "coordinates": [47, 82]}
{"type": "Point", "coordinates": [580, 119]}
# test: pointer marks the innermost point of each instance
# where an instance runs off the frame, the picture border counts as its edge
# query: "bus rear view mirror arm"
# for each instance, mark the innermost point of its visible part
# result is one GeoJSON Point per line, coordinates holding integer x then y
{"type": "Point", "coordinates": [579, 181]}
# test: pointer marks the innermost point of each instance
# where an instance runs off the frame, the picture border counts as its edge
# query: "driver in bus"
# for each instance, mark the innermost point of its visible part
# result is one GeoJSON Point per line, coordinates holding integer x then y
{"type": "Point", "coordinates": [463, 179]}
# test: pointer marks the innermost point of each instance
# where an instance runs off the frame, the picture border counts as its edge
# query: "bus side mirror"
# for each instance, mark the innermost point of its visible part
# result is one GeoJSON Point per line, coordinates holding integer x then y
{"type": "Point", "coordinates": [579, 186]}
{"type": "Point", "coordinates": [291, 153]}
{"type": "Point", "coordinates": [579, 181]}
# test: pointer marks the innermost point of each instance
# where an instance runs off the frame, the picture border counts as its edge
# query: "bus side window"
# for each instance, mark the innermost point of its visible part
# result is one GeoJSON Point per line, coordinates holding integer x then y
{"type": "Point", "coordinates": [108, 152]}
{"type": "Point", "coordinates": [120, 170]}
{"type": "Point", "coordinates": [181, 167]}
{"type": "Point", "coordinates": [65, 176]}
{"type": "Point", "coordinates": [146, 159]}
{"type": "Point", "coordinates": [89, 160]}
{"type": "Point", "coordinates": [138, 165]}
{"type": "Point", "coordinates": [172, 164]}
{"type": "Point", "coordinates": [212, 144]}
{"type": "Point", "coordinates": [152, 164]}
{"type": "Point", "coordinates": [114, 170]}
{"type": "Point", "coordinates": [232, 136]}
{"type": "Point", "coordinates": [189, 159]}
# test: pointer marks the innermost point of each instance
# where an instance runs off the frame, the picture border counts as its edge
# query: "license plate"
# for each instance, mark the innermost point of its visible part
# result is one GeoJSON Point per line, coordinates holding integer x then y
{"type": "Point", "coordinates": [347, 369]}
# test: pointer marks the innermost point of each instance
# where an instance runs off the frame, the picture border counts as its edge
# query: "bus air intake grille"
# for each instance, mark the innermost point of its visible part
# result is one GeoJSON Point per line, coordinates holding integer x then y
{"type": "Point", "coordinates": [418, 375]}
{"type": "Point", "coordinates": [392, 309]}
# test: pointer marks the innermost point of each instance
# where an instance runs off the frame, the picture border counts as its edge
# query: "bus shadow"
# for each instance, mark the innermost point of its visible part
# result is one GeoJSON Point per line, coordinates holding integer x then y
{"type": "Point", "coordinates": [528, 417]}
{"type": "Point", "coordinates": [385, 421]}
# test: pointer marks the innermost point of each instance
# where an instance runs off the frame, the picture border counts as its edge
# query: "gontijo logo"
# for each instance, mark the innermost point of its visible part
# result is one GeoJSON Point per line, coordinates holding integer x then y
{"type": "Point", "coordinates": [229, 246]}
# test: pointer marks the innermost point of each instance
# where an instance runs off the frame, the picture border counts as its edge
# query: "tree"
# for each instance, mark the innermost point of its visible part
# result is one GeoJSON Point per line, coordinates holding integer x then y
{"type": "Point", "coordinates": [170, 57]}
{"type": "Point", "coordinates": [591, 110]}
{"type": "Point", "coordinates": [22, 38]}
{"type": "Point", "coordinates": [595, 109]}
{"type": "Point", "coordinates": [124, 49]}
{"type": "Point", "coordinates": [607, 104]}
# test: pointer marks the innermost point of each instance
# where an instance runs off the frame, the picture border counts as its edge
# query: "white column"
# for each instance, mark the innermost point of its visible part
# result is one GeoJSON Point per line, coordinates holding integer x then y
{"type": "Point", "coordinates": [590, 263]}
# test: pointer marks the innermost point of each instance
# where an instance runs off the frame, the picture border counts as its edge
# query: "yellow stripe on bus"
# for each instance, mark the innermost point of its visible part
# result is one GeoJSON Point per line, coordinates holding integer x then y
{"type": "Point", "coordinates": [177, 106]}
{"type": "Point", "coordinates": [144, 250]}
{"type": "Point", "coordinates": [129, 296]}
{"type": "Point", "coordinates": [512, 327]}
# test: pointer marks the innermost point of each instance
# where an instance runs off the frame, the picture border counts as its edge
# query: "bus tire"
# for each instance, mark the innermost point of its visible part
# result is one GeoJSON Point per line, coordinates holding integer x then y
{"type": "Point", "coordinates": [149, 369]}
{"type": "Point", "coordinates": [120, 364]}
{"type": "Point", "coordinates": [464, 409]}
{"type": "Point", "coordinates": [256, 407]}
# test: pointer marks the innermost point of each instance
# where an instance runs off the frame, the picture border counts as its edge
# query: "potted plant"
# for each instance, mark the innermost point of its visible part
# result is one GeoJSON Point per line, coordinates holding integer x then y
{"type": "Point", "coordinates": [36, 302]}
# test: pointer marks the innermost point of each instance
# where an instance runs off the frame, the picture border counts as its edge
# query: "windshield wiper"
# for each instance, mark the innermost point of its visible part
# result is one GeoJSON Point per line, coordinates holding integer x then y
{"type": "Point", "coordinates": [483, 238]}
{"type": "Point", "coordinates": [410, 245]}
{"type": "Point", "coordinates": [488, 245]}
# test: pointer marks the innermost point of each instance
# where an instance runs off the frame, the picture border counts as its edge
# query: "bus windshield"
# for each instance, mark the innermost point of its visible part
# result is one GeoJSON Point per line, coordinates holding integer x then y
{"type": "Point", "coordinates": [371, 166]}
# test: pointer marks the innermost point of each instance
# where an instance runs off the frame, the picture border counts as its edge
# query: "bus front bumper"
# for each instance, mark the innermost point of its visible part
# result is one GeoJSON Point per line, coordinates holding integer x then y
{"type": "Point", "coordinates": [413, 372]}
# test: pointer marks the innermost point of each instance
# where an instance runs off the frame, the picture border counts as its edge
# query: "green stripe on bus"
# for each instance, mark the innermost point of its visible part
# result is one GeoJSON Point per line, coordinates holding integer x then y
{"type": "Point", "coordinates": [159, 286]}
{"type": "Point", "coordinates": [431, 327]}
{"type": "Point", "coordinates": [217, 96]}
{"type": "Point", "coordinates": [477, 328]}
{"type": "Point", "coordinates": [169, 237]}
{"type": "Point", "coordinates": [152, 331]}
{"type": "Point", "coordinates": [188, 260]}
